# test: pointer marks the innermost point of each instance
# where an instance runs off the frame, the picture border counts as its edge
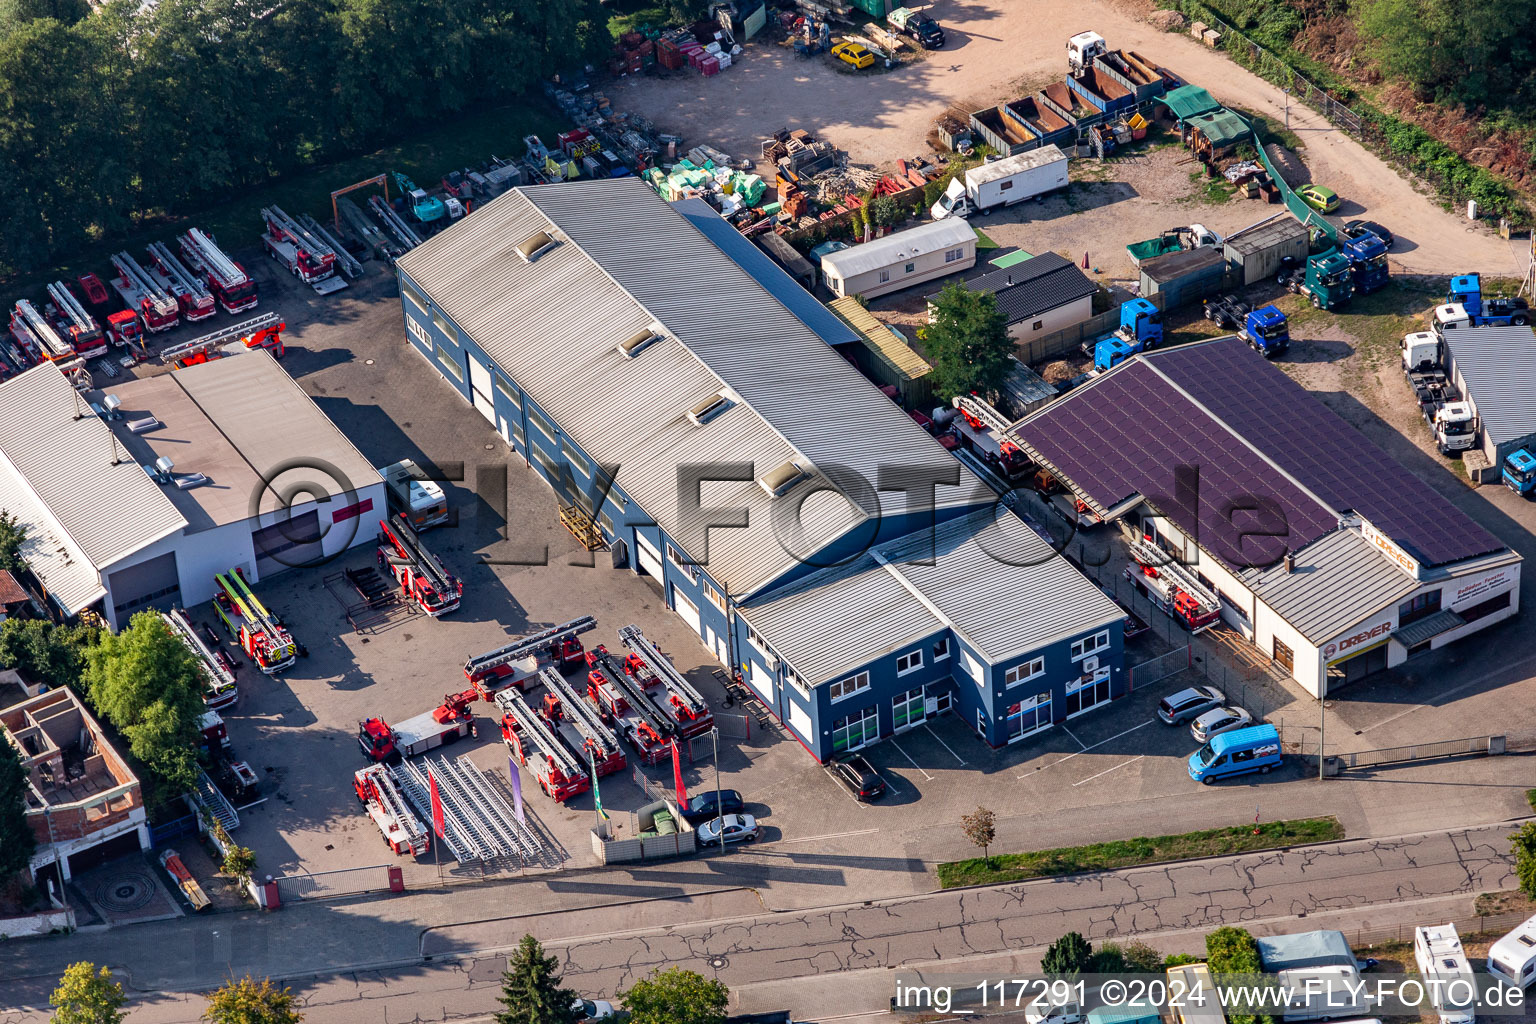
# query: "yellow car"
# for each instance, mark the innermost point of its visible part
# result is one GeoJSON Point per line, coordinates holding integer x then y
{"type": "Point", "coordinates": [854, 54]}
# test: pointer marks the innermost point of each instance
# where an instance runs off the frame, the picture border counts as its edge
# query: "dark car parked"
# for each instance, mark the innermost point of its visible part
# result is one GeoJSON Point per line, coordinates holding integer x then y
{"type": "Point", "coordinates": [860, 777]}
{"type": "Point", "coordinates": [1356, 228]}
{"type": "Point", "coordinates": [701, 807]}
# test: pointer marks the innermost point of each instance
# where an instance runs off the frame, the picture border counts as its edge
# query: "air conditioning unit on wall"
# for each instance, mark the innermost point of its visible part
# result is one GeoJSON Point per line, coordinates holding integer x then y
{"type": "Point", "coordinates": [1090, 666]}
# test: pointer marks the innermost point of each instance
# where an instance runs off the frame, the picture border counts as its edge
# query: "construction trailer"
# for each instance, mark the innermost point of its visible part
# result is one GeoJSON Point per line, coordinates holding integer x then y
{"type": "Point", "coordinates": [143, 293]}
{"type": "Point", "coordinates": [621, 699]}
{"type": "Point", "coordinates": [665, 686]}
{"type": "Point", "coordinates": [261, 636]}
{"type": "Point", "coordinates": [264, 331]}
{"type": "Point", "coordinates": [305, 255]}
{"type": "Point", "coordinates": [579, 724]}
{"type": "Point", "coordinates": [219, 687]}
{"type": "Point", "coordinates": [421, 577]}
{"type": "Point", "coordinates": [447, 723]}
{"type": "Point", "coordinates": [560, 773]}
{"type": "Point", "coordinates": [386, 805]}
{"type": "Point", "coordinates": [75, 323]}
{"type": "Point", "coordinates": [191, 292]}
{"type": "Point", "coordinates": [513, 664]}
{"type": "Point", "coordinates": [226, 278]}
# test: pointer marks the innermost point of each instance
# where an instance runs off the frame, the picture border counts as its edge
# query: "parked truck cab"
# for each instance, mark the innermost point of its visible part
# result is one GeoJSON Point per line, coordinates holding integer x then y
{"type": "Point", "coordinates": [1141, 330]}
{"type": "Point", "coordinates": [1267, 330]}
{"type": "Point", "coordinates": [1455, 426]}
{"type": "Point", "coordinates": [1520, 472]}
{"type": "Point", "coordinates": [1467, 291]}
{"type": "Point", "coordinates": [1368, 259]}
{"type": "Point", "coordinates": [1254, 749]}
{"type": "Point", "coordinates": [1421, 352]}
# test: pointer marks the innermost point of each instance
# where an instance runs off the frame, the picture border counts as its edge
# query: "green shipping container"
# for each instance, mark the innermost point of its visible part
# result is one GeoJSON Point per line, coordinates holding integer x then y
{"type": "Point", "coordinates": [874, 7]}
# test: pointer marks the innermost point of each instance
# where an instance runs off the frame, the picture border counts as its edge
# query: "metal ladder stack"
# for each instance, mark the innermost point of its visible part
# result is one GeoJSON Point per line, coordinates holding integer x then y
{"type": "Point", "coordinates": [663, 669]}
{"type": "Point", "coordinates": [344, 260]}
{"type": "Point", "coordinates": [65, 302]}
{"type": "Point", "coordinates": [984, 412]}
{"type": "Point", "coordinates": [296, 233]}
{"type": "Point", "coordinates": [511, 702]}
{"type": "Point", "coordinates": [218, 339]}
{"type": "Point", "coordinates": [482, 664]}
{"type": "Point", "coordinates": [1166, 565]}
{"type": "Point", "coordinates": [581, 714]}
{"type": "Point", "coordinates": [180, 277]}
{"type": "Point", "coordinates": [50, 345]}
{"type": "Point", "coordinates": [635, 694]}
{"type": "Point", "coordinates": [425, 562]}
{"type": "Point", "coordinates": [366, 229]}
{"type": "Point", "coordinates": [478, 823]}
{"type": "Point", "coordinates": [208, 797]}
{"type": "Point", "coordinates": [393, 221]}
{"type": "Point", "coordinates": [145, 282]}
{"type": "Point", "coordinates": [177, 621]}
{"type": "Point", "coordinates": [395, 803]}
{"type": "Point", "coordinates": [204, 254]}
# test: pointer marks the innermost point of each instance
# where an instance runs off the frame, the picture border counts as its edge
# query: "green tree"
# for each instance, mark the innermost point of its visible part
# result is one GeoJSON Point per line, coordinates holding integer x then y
{"type": "Point", "coordinates": [1523, 843]}
{"type": "Point", "coordinates": [87, 996]}
{"type": "Point", "coordinates": [530, 988]}
{"type": "Point", "coordinates": [1232, 950]}
{"type": "Point", "coordinates": [1109, 958]}
{"type": "Point", "coordinates": [239, 862]}
{"type": "Point", "coordinates": [884, 211]}
{"type": "Point", "coordinates": [968, 343]}
{"type": "Point", "coordinates": [43, 652]}
{"type": "Point", "coordinates": [980, 827]}
{"type": "Point", "coordinates": [246, 1002]}
{"type": "Point", "coordinates": [16, 839]}
{"type": "Point", "coordinates": [1141, 958]}
{"type": "Point", "coordinates": [12, 534]}
{"type": "Point", "coordinates": [1070, 954]}
{"type": "Point", "coordinates": [676, 996]}
{"type": "Point", "coordinates": [1178, 960]}
{"type": "Point", "coordinates": [144, 681]}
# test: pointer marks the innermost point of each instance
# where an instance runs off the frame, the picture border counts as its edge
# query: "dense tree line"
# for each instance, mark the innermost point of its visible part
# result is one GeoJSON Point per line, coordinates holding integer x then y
{"type": "Point", "coordinates": [111, 116]}
{"type": "Point", "coordinates": [1481, 53]}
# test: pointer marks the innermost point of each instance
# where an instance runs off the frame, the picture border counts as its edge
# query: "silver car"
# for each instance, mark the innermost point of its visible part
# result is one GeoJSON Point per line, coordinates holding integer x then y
{"type": "Point", "coordinates": [1217, 721]}
{"type": "Point", "coordinates": [1186, 704]}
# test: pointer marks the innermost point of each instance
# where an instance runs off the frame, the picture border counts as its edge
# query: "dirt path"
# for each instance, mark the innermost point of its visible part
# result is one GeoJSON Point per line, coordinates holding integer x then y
{"type": "Point", "coordinates": [997, 47]}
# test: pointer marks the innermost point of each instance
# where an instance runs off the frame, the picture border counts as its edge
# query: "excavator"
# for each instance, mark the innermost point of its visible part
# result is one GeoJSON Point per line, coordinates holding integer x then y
{"type": "Point", "coordinates": [424, 206]}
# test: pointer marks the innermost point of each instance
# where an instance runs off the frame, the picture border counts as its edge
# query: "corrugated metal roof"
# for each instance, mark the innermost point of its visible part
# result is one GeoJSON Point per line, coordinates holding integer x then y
{"type": "Point", "coordinates": [1174, 265]}
{"type": "Point", "coordinates": [880, 337]}
{"type": "Point", "coordinates": [629, 260]}
{"type": "Point", "coordinates": [1498, 365]}
{"type": "Point", "coordinates": [989, 577]}
{"type": "Point", "coordinates": [66, 459]}
{"type": "Point", "coordinates": [1337, 581]}
{"type": "Point", "coordinates": [995, 169]}
{"type": "Point", "coordinates": [901, 245]}
{"type": "Point", "coordinates": [765, 271]}
{"type": "Point", "coordinates": [1036, 286]}
{"type": "Point", "coordinates": [1428, 628]}
{"type": "Point", "coordinates": [53, 557]}
{"type": "Point", "coordinates": [1284, 228]}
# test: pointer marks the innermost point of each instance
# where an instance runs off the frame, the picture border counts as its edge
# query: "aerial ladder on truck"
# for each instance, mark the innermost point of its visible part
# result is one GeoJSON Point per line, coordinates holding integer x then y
{"type": "Point", "coordinates": [77, 325]}
{"type": "Point", "coordinates": [261, 636]}
{"type": "Point", "coordinates": [309, 258]}
{"type": "Point", "coordinates": [368, 231]}
{"type": "Point", "coordinates": [1171, 586]}
{"type": "Point", "coordinates": [230, 284]}
{"type": "Point", "coordinates": [536, 747]}
{"type": "Point", "coordinates": [191, 294]}
{"type": "Point", "coordinates": [220, 689]}
{"type": "Point", "coordinates": [621, 698]}
{"type": "Point", "coordinates": [344, 259]}
{"type": "Point", "coordinates": [513, 664]}
{"type": "Point", "coordinates": [35, 334]}
{"type": "Point", "coordinates": [142, 292]}
{"type": "Point", "coordinates": [989, 432]}
{"type": "Point", "coordinates": [382, 800]}
{"type": "Point", "coordinates": [421, 576]}
{"type": "Point", "coordinates": [684, 705]}
{"type": "Point", "coordinates": [264, 331]}
{"type": "Point", "coordinates": [579, 724]}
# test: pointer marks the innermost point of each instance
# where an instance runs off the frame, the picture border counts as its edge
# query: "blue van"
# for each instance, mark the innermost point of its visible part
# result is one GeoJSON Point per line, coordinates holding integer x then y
{"type": "Point", "coordinates": [1254, 749]}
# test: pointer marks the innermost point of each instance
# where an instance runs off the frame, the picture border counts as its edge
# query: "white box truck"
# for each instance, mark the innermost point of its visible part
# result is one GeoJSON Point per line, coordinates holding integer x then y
{"type": "Point", "coordinates": [1004, 182]}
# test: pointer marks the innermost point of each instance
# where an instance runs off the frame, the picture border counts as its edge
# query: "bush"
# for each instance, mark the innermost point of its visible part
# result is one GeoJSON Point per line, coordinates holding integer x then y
{"type": "Point", "coordinates": [1070, 954]}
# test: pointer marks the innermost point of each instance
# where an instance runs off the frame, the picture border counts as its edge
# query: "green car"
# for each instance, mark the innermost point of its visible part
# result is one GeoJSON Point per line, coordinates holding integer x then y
{"type": "Point", "coordinates": [1323, 200]}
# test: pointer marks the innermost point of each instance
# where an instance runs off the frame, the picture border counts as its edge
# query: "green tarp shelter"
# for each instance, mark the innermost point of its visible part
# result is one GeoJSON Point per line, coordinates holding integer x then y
{"type": "Point", "coordinates": [1189, 100]}
{"type": "Point", "coordinates": [1221, 127]}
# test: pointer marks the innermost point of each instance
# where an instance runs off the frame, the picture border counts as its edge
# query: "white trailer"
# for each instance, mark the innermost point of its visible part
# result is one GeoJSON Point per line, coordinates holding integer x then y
{"type": "Point", "coordinates": [1447, 975]}
{"type": "Point", "coordinates": [1004, 182]}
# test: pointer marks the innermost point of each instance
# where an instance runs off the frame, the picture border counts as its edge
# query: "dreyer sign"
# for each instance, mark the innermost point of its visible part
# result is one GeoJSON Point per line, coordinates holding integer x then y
{"type": "Point", "coordinates": [1342, 647]}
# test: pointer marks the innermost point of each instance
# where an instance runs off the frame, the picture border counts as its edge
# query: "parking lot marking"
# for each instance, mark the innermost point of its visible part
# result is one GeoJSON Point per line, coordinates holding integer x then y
{"type": "Point", "coordinates": [913, 763]}
{"type": "Point", "coordinates": [830, 835]}
{"type": "Point", "coordinates": [935, 735]}
{"type": "Point", "coordinates": [1085, 750]}
{"type": "Point", "coordinates": [1079, 742]}
{"type": "Point", "coordinates": [1106, 771]}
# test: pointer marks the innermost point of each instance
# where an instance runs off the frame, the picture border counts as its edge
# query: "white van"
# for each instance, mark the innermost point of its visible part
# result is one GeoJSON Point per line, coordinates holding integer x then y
{"type": "Point", "coordinates": [1046, 1011]}
{"type": "Point", "coordinates": [1513, 958]}
{"type": "Point", "coordinates": [1437, 950]}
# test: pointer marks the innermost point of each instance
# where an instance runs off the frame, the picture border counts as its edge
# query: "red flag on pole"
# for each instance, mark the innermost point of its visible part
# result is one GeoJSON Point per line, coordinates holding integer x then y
{"type": "Point", "coordinates": [677, 774]}
{"type": "Point", "coordinates": [437, 805]}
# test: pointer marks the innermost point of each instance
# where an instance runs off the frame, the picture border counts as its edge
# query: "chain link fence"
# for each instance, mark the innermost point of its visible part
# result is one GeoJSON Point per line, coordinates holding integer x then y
{"type": "Point", "coordinates": [1471, 929]}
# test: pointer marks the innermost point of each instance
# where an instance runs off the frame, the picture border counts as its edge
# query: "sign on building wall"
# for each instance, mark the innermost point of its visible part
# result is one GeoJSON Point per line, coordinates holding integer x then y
{"type": "Point", "coordinates": [1476, 591]}
{"type": "Point", "coordinates": [1389, 547]}
{"type": "Point", "coordinates": [1357, 642]}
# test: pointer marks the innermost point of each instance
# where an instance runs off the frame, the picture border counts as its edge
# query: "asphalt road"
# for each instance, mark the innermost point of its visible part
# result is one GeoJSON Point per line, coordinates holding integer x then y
{"type": "Point", "coordinates": [405, 960]}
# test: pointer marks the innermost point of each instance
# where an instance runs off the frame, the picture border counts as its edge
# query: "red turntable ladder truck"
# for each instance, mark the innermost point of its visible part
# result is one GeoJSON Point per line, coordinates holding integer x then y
{"type": "Point", "coordinates": [987, 430]}
{"type": "Point", "coordinates": [514, 663]}
{"type": "Point", "coordinates": [622, 700]}
{"type": "Point", "coordinates": [579, 724]}
{"type": "Point", "coordinates": [263, 331]}
{"type": "Point", "coordinates": [447, 723]}
{"type": "Point", "coordinates": [385, 804]}
{"type": "Point", "coordinates": [144, 294]}
{"type": "Point", "coordinates": [37, 336]}
{"type": "Point", "coordinates": [421, 576]}
{"type": "Point", "coordinates": [1172, 586]}
{"type": "Point", "coordinates": [191, 292]}
{"type": "Point", "coordinates": [560, 772]}
{"type": "Point", "coordinates": [305, 254]}
{"type": "Point", "coordinates": [75, 323]}
{"type": "Point", "coordinates": [219, 687]}
{"type": "Point", "coordinates": [227, 279]}
{"type": "Point", "coordinates": [678, 700]}
{"type": "Point", "coordinates": [261, 636]}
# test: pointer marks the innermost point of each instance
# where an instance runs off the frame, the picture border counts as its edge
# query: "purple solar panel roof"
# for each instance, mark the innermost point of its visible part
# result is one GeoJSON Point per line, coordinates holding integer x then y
{"type": "Point", "coordinates": [1322, 451]}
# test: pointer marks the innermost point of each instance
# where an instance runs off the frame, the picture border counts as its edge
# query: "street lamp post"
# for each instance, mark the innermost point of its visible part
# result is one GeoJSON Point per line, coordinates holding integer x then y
{"type": "Point", "coordinates": [1322, 725]}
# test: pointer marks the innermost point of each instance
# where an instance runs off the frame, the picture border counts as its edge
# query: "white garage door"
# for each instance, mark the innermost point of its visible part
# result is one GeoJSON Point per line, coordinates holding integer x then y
{"type": "Point", "coordinates": [648, 556]}
{"type": "Point", "coordinates": [480, 387]}
{"type": "Point", "coordinates": [800, 722]}
{"type": "Point", "coordinates": [762, 681]}
{"type": "Point", "coordinates": [685, 608]}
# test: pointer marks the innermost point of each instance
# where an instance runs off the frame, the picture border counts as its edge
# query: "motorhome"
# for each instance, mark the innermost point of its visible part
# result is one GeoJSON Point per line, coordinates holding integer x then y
{"type": "Point", "coordinates": [1513, 958]}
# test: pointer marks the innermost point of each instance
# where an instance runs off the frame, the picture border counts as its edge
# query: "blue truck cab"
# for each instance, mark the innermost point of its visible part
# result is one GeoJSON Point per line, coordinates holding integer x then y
{"type": "Point", "coordinates": [1368, 260]}
{"type": "Point", "coordinates": [1267, 330]}
{"type": "Point", "coordinates": [1520, 472]}
{"type": "Point", "coordinates": [1141, 330]}
{"type": "Point", "coordinates": [1254, 749]}
{"type": "Point", "coordinates": [1467, 292]}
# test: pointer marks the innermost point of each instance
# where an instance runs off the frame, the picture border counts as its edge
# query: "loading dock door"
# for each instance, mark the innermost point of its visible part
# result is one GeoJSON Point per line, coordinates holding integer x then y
{"type": "Point", "coordinates": [289, 544]}
{"type": "Point", "coordinates": [150, 583]}
{"type": "Point", "coordinates": [649, 558]}
{"type": "Point", "coordinates": [686, 609]}
{"type": "Point", "coordinates": [480, 387]}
